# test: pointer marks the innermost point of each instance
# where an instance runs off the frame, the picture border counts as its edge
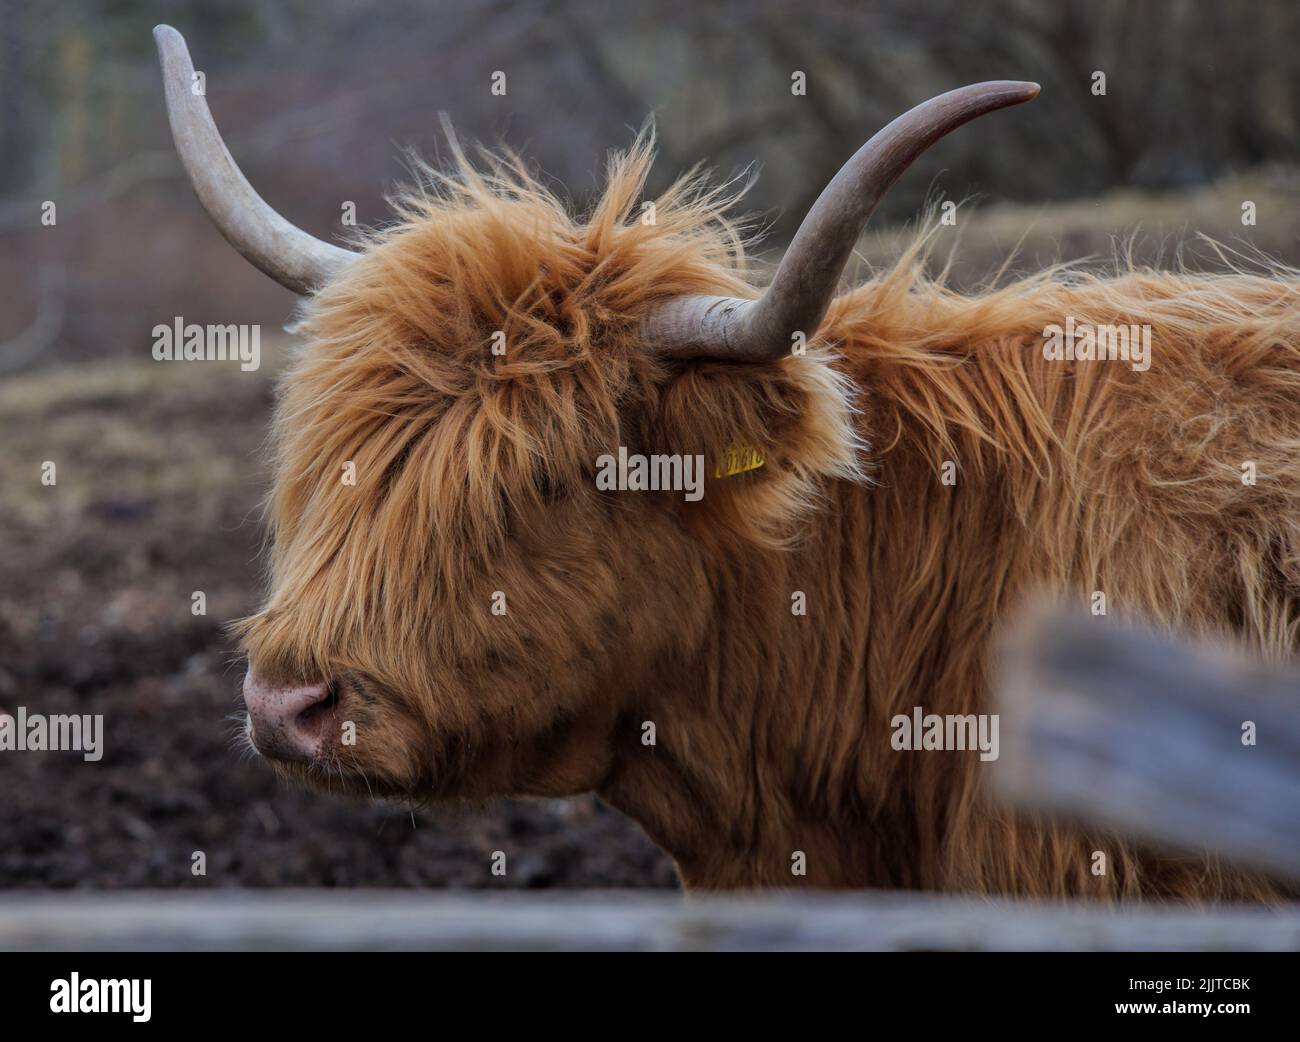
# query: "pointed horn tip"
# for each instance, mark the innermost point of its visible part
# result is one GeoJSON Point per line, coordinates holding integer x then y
{"type": "Point", "coordinates": [1019, 90]}
{"type": "Point", "coordinates": [996, 94]}
{"type": "Point", "coordinates": [170, 44]}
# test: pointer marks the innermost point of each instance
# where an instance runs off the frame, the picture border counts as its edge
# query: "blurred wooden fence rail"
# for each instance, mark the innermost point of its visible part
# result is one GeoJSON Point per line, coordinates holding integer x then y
{"type": "Point", "coordinates": [1186, 745]}
{"type": "Point", "coordinates": [605, 921]}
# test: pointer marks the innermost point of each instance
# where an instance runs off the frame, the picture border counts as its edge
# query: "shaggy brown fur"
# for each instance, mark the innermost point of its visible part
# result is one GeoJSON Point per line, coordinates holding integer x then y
{"type": "Point", "coordinates": [475, 475]}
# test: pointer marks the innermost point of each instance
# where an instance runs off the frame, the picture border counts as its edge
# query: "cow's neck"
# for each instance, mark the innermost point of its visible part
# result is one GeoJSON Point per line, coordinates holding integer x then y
{"type": "Point", "coordinates": [771, 754]}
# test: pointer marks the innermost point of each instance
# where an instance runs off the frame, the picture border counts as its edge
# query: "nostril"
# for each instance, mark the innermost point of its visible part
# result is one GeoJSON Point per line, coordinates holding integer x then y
{"type": "Point", "coordinates": [325, 703]}
{"type": "Point", "coordinates": [323, 706]}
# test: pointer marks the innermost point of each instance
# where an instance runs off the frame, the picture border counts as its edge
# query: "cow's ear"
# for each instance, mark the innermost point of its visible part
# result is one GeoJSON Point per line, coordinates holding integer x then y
{"type": "Point", "coordinates": [771, 437]}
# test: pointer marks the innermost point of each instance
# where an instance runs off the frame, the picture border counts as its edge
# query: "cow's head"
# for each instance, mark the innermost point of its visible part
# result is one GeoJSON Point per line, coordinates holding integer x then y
{"type": "Point", "coordinates": [456, 607]}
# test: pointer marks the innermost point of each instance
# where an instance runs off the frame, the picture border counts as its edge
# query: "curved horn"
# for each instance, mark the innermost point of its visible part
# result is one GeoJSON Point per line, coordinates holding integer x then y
{"type": "Point", "coordinates": [296, 260]}
{"type": "Point", "coordinates": [729, 328]}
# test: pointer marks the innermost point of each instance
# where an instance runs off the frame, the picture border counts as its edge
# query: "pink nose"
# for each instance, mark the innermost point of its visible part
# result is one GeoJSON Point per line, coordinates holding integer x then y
{"type": "Point", "coordinates": [289, 723]}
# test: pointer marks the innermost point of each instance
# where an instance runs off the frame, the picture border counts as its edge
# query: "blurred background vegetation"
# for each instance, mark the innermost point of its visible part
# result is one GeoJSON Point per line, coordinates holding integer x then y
{"type": "Point", "coordinates": [161, 470]}
{"type": "Point", "coordinates": [318, 99]}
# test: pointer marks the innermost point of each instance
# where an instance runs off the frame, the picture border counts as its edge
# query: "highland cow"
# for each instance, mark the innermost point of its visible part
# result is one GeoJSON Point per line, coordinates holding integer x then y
{"type": "Point", "coordinates": [471, 616]}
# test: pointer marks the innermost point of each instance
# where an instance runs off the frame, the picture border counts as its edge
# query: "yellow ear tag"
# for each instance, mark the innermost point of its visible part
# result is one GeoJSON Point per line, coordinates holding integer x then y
{"type": "Point", "coordinates": [739, 459]}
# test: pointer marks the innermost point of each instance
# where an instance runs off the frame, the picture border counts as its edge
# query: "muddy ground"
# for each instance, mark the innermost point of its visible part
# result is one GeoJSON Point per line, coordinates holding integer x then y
{"type": "Point", "coordinates": [157, 496]}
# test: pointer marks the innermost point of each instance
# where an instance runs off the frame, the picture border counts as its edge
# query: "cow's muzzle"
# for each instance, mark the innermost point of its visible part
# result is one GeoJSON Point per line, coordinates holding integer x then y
{"type": "Point", "coordinates": [290, 723]}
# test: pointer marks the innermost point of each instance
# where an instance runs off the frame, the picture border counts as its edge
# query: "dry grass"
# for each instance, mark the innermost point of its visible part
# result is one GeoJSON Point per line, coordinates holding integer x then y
{"type": "Point", "coordinates": [1160, 228]}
